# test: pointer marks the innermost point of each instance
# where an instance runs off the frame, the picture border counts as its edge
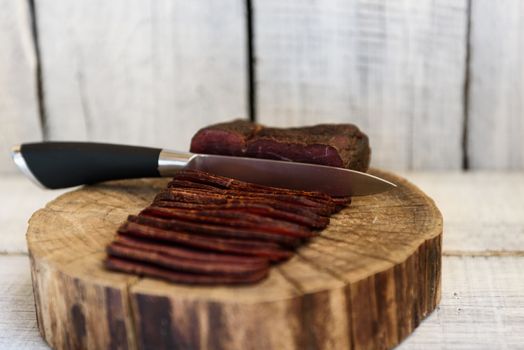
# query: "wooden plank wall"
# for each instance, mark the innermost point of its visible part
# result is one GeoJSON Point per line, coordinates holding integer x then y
{"type": "Point", "coordinates": [436, 84]}
{"type": "Point", "coordinates": [19, 117]}
{"type": "Point", "coordinates": [496, 104]}
{"type": "Point", "coordinates": [395, 68]}
{"type": "Point", "coordinates": [147, 72]}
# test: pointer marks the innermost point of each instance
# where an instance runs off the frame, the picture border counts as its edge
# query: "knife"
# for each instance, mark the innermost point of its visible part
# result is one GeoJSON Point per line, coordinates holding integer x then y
{"type": "Point", "coordinates": [65, 164]}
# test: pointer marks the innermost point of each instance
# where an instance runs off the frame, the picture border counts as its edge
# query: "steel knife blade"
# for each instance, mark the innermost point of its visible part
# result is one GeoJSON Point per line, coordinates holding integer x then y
{"type": "Point", "coordinates": [66, 164]}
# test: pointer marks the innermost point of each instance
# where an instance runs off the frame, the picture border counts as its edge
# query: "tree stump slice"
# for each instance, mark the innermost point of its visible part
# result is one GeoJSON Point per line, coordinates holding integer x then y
{"type": "Point", "coordinates": [365, 283]}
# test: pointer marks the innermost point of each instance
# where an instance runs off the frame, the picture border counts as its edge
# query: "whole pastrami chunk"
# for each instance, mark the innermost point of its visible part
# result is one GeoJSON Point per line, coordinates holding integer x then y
{"type": "Point", "coordinates": [341, 145]}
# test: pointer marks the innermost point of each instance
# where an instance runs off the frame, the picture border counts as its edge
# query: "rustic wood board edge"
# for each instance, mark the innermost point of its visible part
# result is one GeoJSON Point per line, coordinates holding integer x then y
{"type": "Point", "coordinates": [81, 305]}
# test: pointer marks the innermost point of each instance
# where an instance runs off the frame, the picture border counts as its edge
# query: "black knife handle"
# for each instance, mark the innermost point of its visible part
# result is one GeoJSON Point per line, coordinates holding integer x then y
{"type": "Point", "coordinates": [65, 164]}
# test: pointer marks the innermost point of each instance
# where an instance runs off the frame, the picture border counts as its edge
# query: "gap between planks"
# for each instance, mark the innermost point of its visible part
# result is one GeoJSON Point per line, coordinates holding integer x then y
{"type": "Point", "coordinates": [456, 253]}
{"type": "Point", "coordinates": [38, 70]}
{"type": "Point", "coordinates": [485, 253]}
{"type": "Point", "coordinates": [466, 91]}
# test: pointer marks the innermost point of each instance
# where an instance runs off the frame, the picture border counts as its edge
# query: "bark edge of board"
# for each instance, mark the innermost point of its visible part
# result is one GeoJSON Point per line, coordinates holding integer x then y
{"type": "Point", "coordinates": [366, 285]}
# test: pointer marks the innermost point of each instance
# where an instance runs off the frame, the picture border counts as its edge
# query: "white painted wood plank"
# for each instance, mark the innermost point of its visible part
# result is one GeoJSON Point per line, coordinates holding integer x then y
{"type": "Point", "coordinates": [483, 211]}
{"type": "Point", "coordinates": [394, 68]}
{"type": "Point", "coordinates": [18, 327]}
{"type": "Point", "coordinates": [496, 107]}
{"type": "Point", "coordinates": [19, 118]}
{"type": "Point", "coordinates": [19, 199]}
{"type": "Point", "coordinates": [482, 307]}
{"type": "Point", "coordinates": [147, 72]}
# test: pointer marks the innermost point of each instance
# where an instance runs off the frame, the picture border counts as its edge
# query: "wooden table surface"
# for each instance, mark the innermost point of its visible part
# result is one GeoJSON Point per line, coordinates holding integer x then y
{"type": "Point", "coordinates": [482, 303]}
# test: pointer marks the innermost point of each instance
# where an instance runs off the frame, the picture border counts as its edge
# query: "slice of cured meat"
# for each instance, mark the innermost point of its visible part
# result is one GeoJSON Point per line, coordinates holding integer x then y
{"type": "Point", "coordinates": [149, 270]}
{"type": "Point", "coordinates": [189, 253]}
{"type": "Point", "coordinates": [159, 258]}
{"type": "Point", "coordinates": [203, 180]}
{"type": "Point", "coordinates": [311, 220]}
{"type": "Point", "coordinates": [225, 245]}
{"type": "Point", "coordinates": [169, 223]}
{"type": "Point", "coordinates": [195, 195]}
{"type": "Point", "coordinates": [223, 218]}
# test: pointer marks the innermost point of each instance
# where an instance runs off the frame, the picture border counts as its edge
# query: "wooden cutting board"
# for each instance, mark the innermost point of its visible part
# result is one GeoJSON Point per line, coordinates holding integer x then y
{"type": "Point", "coordinates": [365, 283]}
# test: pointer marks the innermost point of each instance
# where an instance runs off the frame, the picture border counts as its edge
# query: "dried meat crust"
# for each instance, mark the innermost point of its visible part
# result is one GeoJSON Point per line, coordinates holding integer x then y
{"type": "Point", "coordinates": [154, 218]}
{"type": "Point", "coordinates": [148, 270]}
{"type": "Point", "coordinates": [159, 258]}
{"type": "Point", "coordinates": [224, 218]}
{"type": "Point", "coordinates": [189, 253]}
{"type": "Point", "coordinates": [340, 145]}
{"type": "Point", "coordinates": [308, 218]}
{"type": "Point", "coordinates": [195, 195]}
{"type": "Point", "coordinates": [269, 250]}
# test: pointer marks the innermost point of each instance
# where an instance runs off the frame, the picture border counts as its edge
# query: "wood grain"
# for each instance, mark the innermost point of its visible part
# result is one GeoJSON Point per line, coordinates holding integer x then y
{"type": "Point", "coordinates": [481, 307]}
{"type": "Point", "coordinates": [20, 198]}
{"type": "Point", "coordinates": [482, 210]}
{"type": "Point", "coordinates": [145, 72]}
{"type": "Point", "coordinates": [496, 126]}
{"type": "Point", "coordinates": [18, 326]}
{"type": "Point", "coordinates": [396, 69]}
{"type": "Point", "coordinates": [366, 282]}
{"type": "Point", "coordinates": [19, 118]}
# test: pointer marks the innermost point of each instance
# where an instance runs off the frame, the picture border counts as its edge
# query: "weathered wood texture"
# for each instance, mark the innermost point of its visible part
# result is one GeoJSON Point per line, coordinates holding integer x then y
{"type": "Point", "coordinates": [496, 85]}
{"type": "Point", "coordinates": [19, 118]}
{"type": "Point", "coordinates": [366, 282]}
{"type": "Point", "coordinates": [146, 72]}
{"type": "Point", "coordinates": [482, 306]}
{"type": "Point", "coordinates": [395, 68]}
{"type": "Point", "coordinates": [154, 72]}
{"type": "Point", "coordinates": [19, 198]}
{"type": "Point", "coordinates": [18, 327]}
{"type": "Point", "coordinates": [483, 211]}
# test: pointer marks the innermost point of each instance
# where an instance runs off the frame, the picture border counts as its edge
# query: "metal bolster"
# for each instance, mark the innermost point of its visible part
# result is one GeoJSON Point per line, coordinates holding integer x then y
{"type": "Point", "coordinates": [169, 162]}
{"type": "Point", "coordinates": [19, 160]}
